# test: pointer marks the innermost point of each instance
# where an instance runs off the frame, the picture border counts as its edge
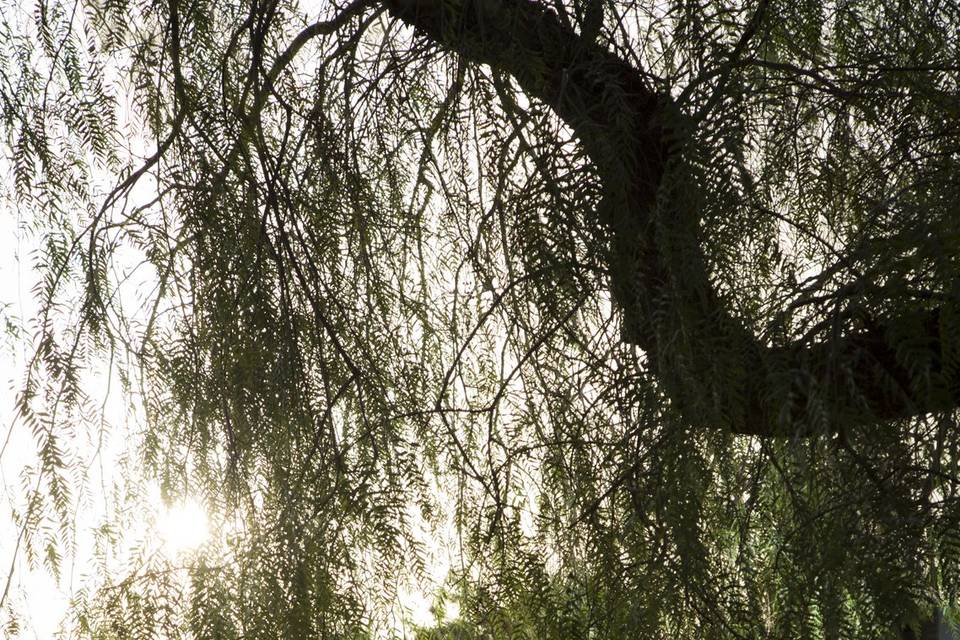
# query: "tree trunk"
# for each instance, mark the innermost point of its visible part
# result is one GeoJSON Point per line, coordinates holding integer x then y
{"type": "Point", "coordinates": [712, 367]}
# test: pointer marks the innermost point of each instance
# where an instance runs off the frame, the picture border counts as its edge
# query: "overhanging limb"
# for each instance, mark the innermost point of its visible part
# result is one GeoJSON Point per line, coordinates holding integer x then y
{"type": "Point", "coordinates": [714, 369]}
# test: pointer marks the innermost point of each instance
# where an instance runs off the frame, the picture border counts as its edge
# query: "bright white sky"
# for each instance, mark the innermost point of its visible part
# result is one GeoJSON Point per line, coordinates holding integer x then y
{"type": "Point", "coordinates": [178, 528]}
{"type": "Point", "coordinates": [40, 602]}
{"type": "Point", "coordinates": [31, 591]}
{"type": "Point", "coordinates": [38, 599]}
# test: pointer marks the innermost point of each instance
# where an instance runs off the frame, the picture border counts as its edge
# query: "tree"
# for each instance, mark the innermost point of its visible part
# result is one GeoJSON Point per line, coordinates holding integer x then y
{"type": "Point", "coordinates": [661, 295]}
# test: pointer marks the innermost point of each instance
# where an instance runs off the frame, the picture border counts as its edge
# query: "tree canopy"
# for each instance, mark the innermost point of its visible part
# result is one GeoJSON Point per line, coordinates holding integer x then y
{"type": "Point", "coordinates": [655, 303]}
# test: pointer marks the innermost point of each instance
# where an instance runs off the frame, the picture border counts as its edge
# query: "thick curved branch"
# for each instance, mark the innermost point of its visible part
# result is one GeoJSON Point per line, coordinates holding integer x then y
{"type": "Point", "coordinates": [713, 368]}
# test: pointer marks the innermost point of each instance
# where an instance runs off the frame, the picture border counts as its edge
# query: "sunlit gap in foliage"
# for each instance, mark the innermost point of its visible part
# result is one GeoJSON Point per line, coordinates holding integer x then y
{"type": "Point", "coordinates": [183, 527]}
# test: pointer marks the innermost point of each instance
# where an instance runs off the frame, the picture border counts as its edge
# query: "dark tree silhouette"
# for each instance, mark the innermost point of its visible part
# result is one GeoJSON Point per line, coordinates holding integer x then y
{"type": "Point", "coordinates": [654, 304]}
{"type": "Point", "coordinates": [633, 135]}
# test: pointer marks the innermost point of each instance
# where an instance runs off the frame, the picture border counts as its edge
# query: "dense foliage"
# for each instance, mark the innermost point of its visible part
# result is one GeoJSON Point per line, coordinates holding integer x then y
{"type": "Point", "coordinates": [654, 303]}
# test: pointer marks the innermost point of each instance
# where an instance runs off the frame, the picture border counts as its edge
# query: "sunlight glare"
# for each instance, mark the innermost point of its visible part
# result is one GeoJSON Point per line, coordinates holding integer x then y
{"type": "Point", "coordinates": [416, 608]}
{"type": "Point", "coordinates": [451, 611]}
{"type": "Point", "coordinates": [183, 527]}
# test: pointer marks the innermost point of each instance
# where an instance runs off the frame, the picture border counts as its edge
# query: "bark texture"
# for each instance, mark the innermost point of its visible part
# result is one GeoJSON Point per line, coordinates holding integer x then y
{"type": "Point", "coordinates": [713, 368]}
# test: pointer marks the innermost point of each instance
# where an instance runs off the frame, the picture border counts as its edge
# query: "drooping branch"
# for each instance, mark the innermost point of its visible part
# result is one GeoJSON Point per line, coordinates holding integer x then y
{"type": "Point", "coordinates": [713, 368]}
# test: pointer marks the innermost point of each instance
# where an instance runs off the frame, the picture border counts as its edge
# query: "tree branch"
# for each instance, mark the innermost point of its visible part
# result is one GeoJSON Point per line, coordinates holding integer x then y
{"type": "Point", "coordinates": [716, 372]}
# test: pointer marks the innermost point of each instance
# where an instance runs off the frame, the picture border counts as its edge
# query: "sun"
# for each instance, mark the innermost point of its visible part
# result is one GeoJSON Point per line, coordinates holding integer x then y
{"type": "Point", "coordinates": [183, 527]}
